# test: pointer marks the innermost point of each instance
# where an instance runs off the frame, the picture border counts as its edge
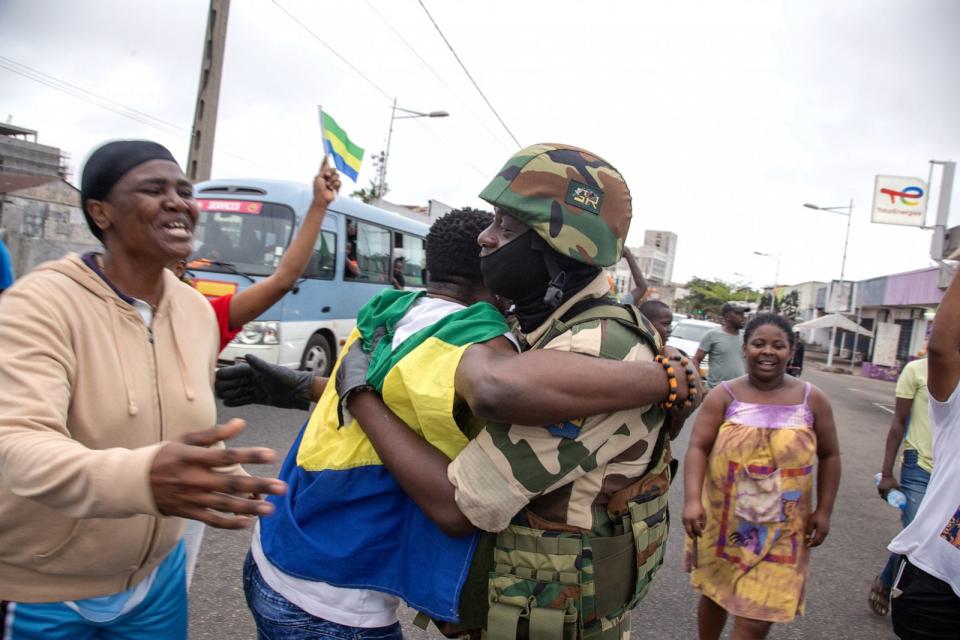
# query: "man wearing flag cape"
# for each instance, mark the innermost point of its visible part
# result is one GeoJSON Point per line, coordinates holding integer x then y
{"type": "Point", "coordinates": [347, 540]}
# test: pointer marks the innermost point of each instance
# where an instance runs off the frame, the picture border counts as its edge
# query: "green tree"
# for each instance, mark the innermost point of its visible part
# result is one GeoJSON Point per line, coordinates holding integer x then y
{"type": "Point", "coordinates": [372, 193]}
{"type": "Point", "coordinates": [789, 306]}
{"type": "Point", "coordinates": [707, 296]}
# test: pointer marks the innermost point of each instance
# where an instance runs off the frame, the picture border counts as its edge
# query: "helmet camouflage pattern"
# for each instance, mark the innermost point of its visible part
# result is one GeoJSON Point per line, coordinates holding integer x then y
{"type": "Point", "coordinates": [576, 201]}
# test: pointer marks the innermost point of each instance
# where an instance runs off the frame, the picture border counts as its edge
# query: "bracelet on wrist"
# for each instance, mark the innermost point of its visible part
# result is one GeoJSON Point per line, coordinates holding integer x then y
{"type": "Point", "coordinates": [671, 382]}
{"type": "Point", "coordinates": [691, 383]}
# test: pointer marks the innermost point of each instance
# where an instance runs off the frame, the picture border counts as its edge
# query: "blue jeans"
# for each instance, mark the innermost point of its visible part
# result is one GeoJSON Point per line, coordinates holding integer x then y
{"type": "Point", "coordinates": [913, 483]}
{"type": "Point", "coordinates": [279, 619]}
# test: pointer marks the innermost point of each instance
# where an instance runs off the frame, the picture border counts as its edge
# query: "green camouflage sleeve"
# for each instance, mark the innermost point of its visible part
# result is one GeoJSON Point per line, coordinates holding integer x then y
{"type": "Point", "coordinates": [507, 466]}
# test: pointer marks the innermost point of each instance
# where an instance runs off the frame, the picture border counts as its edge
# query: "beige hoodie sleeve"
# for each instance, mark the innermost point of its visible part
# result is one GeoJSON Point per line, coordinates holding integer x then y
{"type": "Point", "coordinates": [39, 459]}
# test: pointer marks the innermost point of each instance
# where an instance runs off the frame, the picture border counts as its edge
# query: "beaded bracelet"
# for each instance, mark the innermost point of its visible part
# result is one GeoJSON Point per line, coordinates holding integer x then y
{"type": "Point", "coordinates": [691, 383]}
{"type": "Point", "coordinates": [671, 381]}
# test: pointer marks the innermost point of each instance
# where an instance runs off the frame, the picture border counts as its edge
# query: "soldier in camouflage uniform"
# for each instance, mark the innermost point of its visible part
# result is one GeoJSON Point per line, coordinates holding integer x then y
{"type": "Point", "coordinates": [604, 476]}
{"type": "Point", "coordinates": [581, 506]}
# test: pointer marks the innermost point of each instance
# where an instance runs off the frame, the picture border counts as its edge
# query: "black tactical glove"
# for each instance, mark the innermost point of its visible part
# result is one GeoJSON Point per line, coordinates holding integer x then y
{"type": "Point", "coordinates": [259, 382]}
{"type": "Point", "coordinates": [351, 376]}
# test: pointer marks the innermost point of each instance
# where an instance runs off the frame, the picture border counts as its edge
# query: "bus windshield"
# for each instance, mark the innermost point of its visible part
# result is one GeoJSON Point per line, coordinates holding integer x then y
{"type": "Point", "coordinates": [244, 236]}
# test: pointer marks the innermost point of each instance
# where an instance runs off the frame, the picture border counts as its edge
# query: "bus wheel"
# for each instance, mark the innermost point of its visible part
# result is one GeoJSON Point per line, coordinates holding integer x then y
{"type": "Point", "coordinates": [318, 356]}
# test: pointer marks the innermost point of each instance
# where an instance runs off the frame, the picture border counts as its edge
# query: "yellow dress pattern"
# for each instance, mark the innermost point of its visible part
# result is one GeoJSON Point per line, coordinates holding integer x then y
{"type": "Point", "coordinates": [751, 559]}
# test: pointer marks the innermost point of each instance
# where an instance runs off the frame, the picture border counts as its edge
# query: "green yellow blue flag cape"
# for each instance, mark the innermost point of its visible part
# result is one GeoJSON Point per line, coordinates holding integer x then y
{"type": "Point", "coordinates": [344, 519]}
{"type": "Point", "coordinates": [346, 156]}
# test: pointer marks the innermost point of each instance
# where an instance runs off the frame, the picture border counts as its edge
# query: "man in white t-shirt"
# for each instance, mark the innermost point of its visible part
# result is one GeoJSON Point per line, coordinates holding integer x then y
{"type": "Point", "coordinates": [926, 595]}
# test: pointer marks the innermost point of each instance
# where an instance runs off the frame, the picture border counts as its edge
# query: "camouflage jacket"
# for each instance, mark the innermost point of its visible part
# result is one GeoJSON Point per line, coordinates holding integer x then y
{"type": "Point", "coordinates": [560, 477]}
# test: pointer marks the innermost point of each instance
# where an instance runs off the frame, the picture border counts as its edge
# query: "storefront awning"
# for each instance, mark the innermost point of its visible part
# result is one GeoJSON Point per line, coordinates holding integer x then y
{"type": "Point", "coordinates": [833, 320]}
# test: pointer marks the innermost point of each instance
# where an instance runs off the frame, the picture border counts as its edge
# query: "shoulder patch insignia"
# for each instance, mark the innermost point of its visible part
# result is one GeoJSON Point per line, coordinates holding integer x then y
{"type": "Point", "coordinates": [584, 197]}
{"type": "Point", "coordinates": [569, 429]}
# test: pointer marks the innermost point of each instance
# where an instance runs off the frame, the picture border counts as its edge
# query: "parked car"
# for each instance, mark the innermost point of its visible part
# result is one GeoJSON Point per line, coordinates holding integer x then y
{"type": "Point", "coordinates": [686, 337]}
{"type": "Point", "coordinates": [677, 317]}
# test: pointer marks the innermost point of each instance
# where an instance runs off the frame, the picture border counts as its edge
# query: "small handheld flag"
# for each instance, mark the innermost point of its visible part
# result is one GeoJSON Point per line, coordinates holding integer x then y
{"type": "Point", "coordinates": [346, 156]}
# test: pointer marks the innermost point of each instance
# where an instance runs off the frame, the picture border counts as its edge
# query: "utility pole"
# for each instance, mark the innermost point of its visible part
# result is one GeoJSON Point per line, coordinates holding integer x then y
{"type": "Point", "coordinates": [200, 158]}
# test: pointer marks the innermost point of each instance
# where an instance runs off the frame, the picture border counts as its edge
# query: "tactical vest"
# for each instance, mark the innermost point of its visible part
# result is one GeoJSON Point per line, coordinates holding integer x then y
{"type": "Point", "coordinates": [558, 585]}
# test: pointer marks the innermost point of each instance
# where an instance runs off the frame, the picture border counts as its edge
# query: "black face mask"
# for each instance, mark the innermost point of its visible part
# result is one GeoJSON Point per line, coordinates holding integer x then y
{"type": "Point", "coordinates": [515, 271]}
{"type": "Point", "coordinates": [518, 271]}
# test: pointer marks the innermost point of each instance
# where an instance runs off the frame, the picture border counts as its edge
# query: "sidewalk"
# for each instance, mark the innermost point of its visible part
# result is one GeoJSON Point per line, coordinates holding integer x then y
{"type": "Point", "coordinates": [818, 359]}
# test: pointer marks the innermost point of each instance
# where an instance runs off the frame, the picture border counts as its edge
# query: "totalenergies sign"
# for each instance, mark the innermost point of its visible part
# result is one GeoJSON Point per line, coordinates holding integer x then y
{"type": "Point", "coordinates": [899, 200]}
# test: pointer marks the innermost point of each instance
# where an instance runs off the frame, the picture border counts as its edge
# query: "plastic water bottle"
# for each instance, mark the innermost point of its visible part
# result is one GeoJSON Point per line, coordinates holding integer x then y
{"type": "Point", "coordinates": [895, 497]}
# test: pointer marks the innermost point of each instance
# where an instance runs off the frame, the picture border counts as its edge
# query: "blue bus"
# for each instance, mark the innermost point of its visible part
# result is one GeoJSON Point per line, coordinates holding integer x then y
{"type": "Point", "coordinates": [243, 230]}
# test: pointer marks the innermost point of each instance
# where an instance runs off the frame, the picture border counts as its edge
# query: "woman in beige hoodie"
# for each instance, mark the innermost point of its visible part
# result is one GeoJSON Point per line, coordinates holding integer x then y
{"type": "Point", "coordinates": [107, 417]}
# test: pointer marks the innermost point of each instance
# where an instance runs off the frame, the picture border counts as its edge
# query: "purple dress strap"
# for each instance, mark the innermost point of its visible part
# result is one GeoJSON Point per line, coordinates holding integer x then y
{"type": "Point", "coordinates": [726, 387]}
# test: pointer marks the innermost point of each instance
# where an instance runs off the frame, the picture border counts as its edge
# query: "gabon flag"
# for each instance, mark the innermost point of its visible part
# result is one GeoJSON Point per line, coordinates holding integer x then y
{"type": "Point", "coordinates": [346, 156]}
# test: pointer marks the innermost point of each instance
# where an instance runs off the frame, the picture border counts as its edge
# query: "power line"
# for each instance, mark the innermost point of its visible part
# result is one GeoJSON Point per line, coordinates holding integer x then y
{"type": "Point", "coordinates": [89, 97]}
{"type": "Point", "coordinates": [464, 67]}
{"type": "Point", "coordinates": [105, 103]}
{"type": "Point", "coordinates": [462, 158]}
{"type": "Point", "coordinates": [333, 51]}
{"type": "Point", "coordinates": [376, 86]}
{"type": "Point", "coordinates": [433, 71]}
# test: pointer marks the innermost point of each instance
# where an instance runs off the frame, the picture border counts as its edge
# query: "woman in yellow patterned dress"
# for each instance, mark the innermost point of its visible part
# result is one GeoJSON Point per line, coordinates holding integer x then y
{"type": "Point", "coordinates": [748, 488]}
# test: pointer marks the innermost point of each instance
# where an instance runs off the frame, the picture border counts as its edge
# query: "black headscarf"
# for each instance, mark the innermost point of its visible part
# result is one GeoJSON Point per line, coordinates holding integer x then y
{"type": "Point", "coordinates": [108, 164]}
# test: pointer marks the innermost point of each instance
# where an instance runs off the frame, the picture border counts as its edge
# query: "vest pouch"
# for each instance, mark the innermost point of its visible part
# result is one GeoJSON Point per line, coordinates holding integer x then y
{"type": "Point", "coordinates": [522, 608]}
{"type": "Point", "coordinates": [614, 572]}
{"type": "Point", "coordinates": [757, 495]}
{"type": "Point", "coordinates": [536, 588]}
{"type": "Point", "coordinates": [650, 522]}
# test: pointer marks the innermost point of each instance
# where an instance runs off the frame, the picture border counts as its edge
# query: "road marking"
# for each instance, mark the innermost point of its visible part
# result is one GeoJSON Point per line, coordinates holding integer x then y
{"type": "Point", "coordinates": [880, 406]}
{"type": "Point", "coordinates": [854, 389]}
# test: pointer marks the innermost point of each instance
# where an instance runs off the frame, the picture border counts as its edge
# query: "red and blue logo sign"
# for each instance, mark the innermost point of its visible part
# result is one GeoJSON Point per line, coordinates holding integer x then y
{"type": "Point", "coordinates": [909, 196]}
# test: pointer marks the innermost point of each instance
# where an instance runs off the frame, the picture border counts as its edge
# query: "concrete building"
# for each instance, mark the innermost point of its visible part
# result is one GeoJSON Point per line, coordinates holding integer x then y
{"type": "Point", "coordinates": [653, 264]}
{"type": "Point", "coordinates": [899, 309]}
{"type": "Point", "coordinates": [40, 219]}
{"type": "Point", "coordinates": [662, 250]}
{"type": "Point", "coordinates": [655, 258]}
{"type": "Point", "coordinates": [809, 304]}
{"type": "Point", "coordinates": [20, 153]}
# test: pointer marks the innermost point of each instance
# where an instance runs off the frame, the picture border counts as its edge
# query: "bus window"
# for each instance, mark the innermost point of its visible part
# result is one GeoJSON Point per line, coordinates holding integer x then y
{"type": "Point", "coordinates": [413, 263]}
{"type": "Point", "coordinates": [323, 260]}
{"type": "Point", "coordinates": [251, 242]}
{"type": "Point", "coordinates": [368, 252]}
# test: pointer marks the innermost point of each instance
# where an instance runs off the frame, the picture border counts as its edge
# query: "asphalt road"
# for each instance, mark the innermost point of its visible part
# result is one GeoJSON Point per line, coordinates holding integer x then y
{"type": "Point", "coordinates": [841, 570]}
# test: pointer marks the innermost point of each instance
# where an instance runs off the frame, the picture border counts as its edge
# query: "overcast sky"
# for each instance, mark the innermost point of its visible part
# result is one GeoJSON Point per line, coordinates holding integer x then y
{"type": "Point", "coordinates": [724, 117]}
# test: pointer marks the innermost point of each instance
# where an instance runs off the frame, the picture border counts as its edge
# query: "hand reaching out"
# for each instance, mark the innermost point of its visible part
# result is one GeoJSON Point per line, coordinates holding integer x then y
{"type": "Point", "coordinates": [185, 482]}
{"type": "Point", "coordinates": [259, 382]}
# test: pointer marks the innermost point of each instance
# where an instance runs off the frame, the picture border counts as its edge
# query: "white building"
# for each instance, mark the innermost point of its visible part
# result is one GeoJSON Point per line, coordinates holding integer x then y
{"type": "Point", "coordinates": [661, 249]}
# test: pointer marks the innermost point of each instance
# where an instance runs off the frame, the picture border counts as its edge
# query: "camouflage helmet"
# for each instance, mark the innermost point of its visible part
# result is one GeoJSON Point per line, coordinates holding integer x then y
{"type": "Point", "coordinates": [576, 201]}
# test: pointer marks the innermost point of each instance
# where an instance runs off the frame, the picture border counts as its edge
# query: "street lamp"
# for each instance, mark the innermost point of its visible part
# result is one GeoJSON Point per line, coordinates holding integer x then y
{"type": "Point", "coordinates": [776, 276]}
{"type": "Point", "coordinates": [409, 113]}
{"type": "Point", "coordinates": [843, 263]}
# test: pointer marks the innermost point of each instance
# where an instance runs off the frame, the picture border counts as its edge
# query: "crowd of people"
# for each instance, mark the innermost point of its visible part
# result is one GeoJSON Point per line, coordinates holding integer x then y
{"type": "Point", "coordinates": [493, 450]}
